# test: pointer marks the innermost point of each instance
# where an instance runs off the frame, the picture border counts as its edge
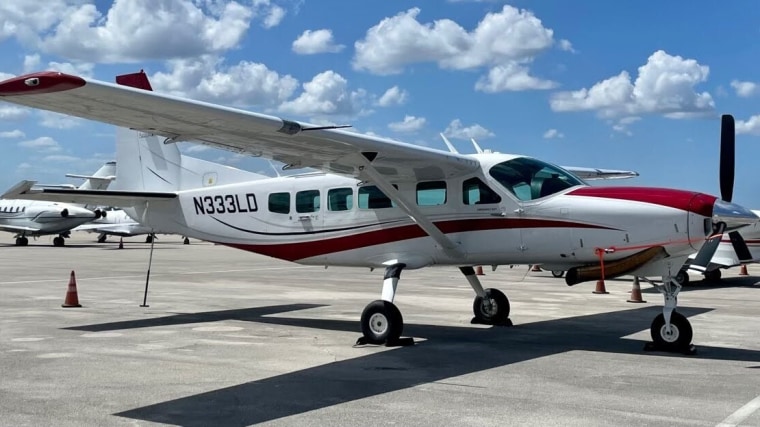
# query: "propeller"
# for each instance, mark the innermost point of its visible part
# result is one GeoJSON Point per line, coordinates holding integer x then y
{"type": "Point", "coordinates": [726, 172]}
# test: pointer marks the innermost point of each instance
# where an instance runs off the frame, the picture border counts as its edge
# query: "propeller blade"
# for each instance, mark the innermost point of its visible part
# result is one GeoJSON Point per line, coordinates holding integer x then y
{"type": "Point", "coordinates": [727, 156]}
{"type": "Point", "coordinates": [706, 253]}
{"type": "Point", "coordinates": [740, 246]}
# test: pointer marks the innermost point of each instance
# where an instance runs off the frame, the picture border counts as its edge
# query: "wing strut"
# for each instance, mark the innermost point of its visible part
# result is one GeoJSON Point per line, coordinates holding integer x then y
{"type": "Point", "coordinates": [449, 247]}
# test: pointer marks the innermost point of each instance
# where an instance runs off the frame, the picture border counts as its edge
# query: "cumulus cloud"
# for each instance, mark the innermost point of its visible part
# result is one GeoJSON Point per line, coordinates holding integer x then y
{"type": "Point", "coordinates": [512, 77]}
{"type": "Point", "coordinates": [9, 112]}
{"type": "Point", "coordinates": [455, 130]}
{"type": "Point", "coordinates": [751, 126]}
{"type": "Point", "coordinates": [326, 94]}
{"type": "Point", "coordinates": [665, 85]}
{"type": "Point", "coordinates": [138, 30]}
{"type": "Point", "coordinates": [508, 39]}
{"type": "Point", "coordinates": [209, 79]}
{"type": "Point", "coordinates": [317, 41]}
{"type": "Point", "coordinates": [393, 96]}
{"type": "Point", "coordinates": [745, 89]}
{"type": "Point", "coordinates": [12, 134]}
{"type": "Point", "coordinates": [52, 120]}
{"type": "Point", "coordinates": [408, 125]}
{"type": "Point", "coordinates": [43, 144]}
{"type": "Point", "coordinates": [553, 133]}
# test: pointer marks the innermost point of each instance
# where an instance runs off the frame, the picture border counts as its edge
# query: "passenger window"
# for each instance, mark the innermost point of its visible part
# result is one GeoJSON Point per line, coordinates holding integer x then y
{"type": "Point", "coordinates": [370, 197]}
{"type": "Point", "coordinates": [476, 192]}
{"type": "Point", "coordinates": [340, 199]}
{"type": "Point", "coordinates": [432, 193]}
{"type": "Point", "coordinates": [307, 201]}
{"type": "Point", "coordinates": [279, 203]}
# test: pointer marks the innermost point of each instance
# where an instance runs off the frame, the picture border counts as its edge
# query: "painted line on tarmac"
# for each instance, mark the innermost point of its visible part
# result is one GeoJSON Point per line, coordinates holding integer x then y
{"type": "Point", "coordinates": [741, 414]}
{"type": "Point", "coordinates": [164, 274]}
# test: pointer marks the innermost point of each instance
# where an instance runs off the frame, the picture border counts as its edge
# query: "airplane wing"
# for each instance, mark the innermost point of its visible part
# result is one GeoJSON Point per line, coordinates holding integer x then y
{"type": "Point", "coordinates": [593, 173]}
{"type": "Point", "coordinates": [297, 145]}
{"type": "Point", "coordinates": [17, 229]}
{"type": "Point", "coordinates": [27, 190]}
{"type": "Point", "coordinates": [116, 229]}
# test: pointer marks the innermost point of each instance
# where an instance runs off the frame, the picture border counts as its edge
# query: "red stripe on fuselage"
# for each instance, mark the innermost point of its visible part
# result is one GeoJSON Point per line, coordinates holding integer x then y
{"type": "Point", "coordinates": [689, 201]}
{"type": "Point", "coordinates": [300, 250]}
{"type": "Point", "coordinates": [46, 82]}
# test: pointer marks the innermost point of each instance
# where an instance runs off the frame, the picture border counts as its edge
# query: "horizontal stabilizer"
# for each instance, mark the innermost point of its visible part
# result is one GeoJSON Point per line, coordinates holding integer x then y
{"type": "Point", "coordinates": [95, 178]}
{"type": "Point", "coordinates": [27, 190]}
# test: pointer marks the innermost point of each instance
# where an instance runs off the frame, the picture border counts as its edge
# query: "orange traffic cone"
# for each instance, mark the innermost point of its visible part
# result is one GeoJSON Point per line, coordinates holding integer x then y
{"type": "Point", "coordinates": [743, 271]}
{"type": "Point", "coordinates": [600, 288]}
{"type": "Point", "coordinates": [121, 243]}
{"type": "Point", "coordinates": [636, 291]}
{"type": "Point", "coordinates": [535, 267]}
{"type": "Point", "coordinates": [72, 300]}
{"type": "Point", "coordinates": [479, 270]}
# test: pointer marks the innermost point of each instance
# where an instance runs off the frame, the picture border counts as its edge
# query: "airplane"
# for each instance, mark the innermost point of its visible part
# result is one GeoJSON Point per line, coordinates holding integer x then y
{"type": "Point", "coordinates": [39, 218]}
{"type": "Point", "coordinates": [379, 203]}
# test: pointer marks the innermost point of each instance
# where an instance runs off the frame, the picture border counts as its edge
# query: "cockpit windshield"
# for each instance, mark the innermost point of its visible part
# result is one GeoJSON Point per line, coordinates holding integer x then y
{"type": "Point", "coordinates": [530, 179]}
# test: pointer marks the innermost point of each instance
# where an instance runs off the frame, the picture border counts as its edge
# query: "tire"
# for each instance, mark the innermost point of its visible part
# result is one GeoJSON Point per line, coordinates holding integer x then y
{"type": "Point", "coordinates": [58, 241]}
{"type": "Point", "coordinates": [494, 313]}
{"type": "Point", "coordinates": [682, 278]}
{"type": "Point", "coordinates": [381, 322]}
{"type": "Point", "coordinates": [558, 273]}
{"type": "Point", "coordinates": [186, 241]}
{"type": "Point", "coordinates": [713, 275]}
{"type": "Point", "coordinates": [681, 332]}
{"type": "Point", "coordinates": [149, 239]}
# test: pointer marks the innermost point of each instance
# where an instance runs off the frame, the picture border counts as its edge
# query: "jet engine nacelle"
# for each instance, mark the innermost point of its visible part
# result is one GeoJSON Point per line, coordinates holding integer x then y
{"type": "Point", "coordinates": [65, 213]}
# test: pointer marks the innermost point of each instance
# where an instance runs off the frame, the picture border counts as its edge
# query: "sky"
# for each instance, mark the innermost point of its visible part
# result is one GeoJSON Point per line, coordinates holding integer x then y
{"type": "Point", "coordinates": [637, 85]}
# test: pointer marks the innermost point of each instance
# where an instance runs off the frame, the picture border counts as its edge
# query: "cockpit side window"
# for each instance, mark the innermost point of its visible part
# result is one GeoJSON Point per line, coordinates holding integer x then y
{"type": "Point", "coordinates": [530, 179]}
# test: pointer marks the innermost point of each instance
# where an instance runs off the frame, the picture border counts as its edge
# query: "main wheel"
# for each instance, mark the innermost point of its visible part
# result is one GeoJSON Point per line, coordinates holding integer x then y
{"type": "Point", "coordinates": [58, 241]}
{"type": "Point", "coordinates": [381, 322]}
{"type": "Point", "coordinates": [493, 309]}
{"type": "Point", "coordinates": [682, 278]}
{"type": "Point", "coordinates": [148, 239]}
{"type": "Point", "coordinates": [558, 273]}
{"type": "Point", "coordinates": [680, 334]}
{"type": "Point", "coordinates": [186, 241]}
{"type": "Point", "coordinates": [22, 241]}
{"type": "Point", "coordinates": [713, 275]}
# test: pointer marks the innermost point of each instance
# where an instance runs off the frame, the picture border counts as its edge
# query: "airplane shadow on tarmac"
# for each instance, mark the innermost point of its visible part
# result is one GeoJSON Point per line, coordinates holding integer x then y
{"type": "Point", "coordinates": [447, 352]}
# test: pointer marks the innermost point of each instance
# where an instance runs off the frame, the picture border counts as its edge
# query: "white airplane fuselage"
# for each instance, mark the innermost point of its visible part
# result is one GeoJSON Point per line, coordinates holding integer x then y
{"type": "Point", "coordinates": [37, 218]}
{"type": "Point", "coordinates": [328, 222]}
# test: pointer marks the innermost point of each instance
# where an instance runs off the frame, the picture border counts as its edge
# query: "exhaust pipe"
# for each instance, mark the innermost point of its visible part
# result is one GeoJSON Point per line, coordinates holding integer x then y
{"type": "Point", "coordinates": [615, 268]}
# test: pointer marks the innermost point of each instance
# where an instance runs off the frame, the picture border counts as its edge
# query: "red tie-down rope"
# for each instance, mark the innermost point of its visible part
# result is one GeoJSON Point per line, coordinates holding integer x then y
{"type": "Point", "coordinates": [601, 251]}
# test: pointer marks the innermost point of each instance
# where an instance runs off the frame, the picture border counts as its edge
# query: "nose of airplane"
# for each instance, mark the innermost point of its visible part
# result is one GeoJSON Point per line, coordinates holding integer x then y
{"type": "Point", "coordinates": [730, 216]}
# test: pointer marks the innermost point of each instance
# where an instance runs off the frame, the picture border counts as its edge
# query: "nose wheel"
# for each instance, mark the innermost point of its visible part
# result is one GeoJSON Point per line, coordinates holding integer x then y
{"type": "Point", "coordinates": [677, 337]}
{"type": "Point", "coordinates": [381, 322]}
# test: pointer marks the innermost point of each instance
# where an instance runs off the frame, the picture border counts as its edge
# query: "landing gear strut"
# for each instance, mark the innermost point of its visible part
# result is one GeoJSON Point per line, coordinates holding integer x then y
{"type": "Point", "coordinates": [381, 320]}
{"type": "Point", "coordinates": [102, 237]}
{"type": "Point", "coordinates": [670, 330]}
{"type": "Point", "coordinates": [491, 306]}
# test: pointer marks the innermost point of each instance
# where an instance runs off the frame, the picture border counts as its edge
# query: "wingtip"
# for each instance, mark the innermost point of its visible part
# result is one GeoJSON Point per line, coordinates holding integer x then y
{"type": "Point", "coordinates": [41, 82]}
{"type": "Point", "coordinates": [19, 189]}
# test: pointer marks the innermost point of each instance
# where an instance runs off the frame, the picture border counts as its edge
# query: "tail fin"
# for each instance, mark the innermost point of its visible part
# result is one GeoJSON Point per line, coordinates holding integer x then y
{"type": "Point", "coordinates": [148, 162]}
{"type": "Point", "coordinates": [100, 180]}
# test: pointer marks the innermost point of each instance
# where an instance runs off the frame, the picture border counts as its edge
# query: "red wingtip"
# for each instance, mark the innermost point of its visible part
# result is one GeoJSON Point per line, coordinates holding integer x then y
{"type": "Point", "coordinates": [136, 80]}
{"type": "Point", "coordinates": [42, 82]}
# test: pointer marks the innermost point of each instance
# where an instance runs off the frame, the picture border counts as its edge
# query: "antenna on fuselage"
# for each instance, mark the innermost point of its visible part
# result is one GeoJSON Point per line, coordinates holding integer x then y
{"type": "Point", "coordinates": [448, 144]}
{"type": "Point", "coordinates": [477, 147]}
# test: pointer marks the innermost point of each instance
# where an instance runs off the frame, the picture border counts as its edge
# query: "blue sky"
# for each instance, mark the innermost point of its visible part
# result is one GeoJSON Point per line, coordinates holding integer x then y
{"type": "Point", "coordinates": [625, 85]}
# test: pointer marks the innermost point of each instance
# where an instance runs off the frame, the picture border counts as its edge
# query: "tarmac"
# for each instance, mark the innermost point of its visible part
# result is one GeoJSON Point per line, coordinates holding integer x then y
{"type": "Point", "coordinates": [234, 338]}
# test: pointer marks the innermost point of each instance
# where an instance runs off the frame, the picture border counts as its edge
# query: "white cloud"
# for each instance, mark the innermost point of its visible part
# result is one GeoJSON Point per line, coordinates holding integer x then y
{"type": "Point", "coordinates": [273, 17]}
{"type": "Point", "coordinates": [26, 19]}
{"type": "Point", "coordinates": [455, 130]}
{"type": "Point", "coordinates": [61, 158]}
{"type": "Point", "coordinates": [621, 126]}
{"type": "Point", "coordinates": [512, 77]}
{"type": "Point", "coordinates": [509, 39]}
{"type": "Point", "coordinates": [745, 89]}
{"type": "Point", "coordinates": [750, 126]}
{"type": "Point", "coordinates": [553, 133]}
{"type": "Point", "coordinates": [137, 30]}
{"type": "Point", "coordinates": [6, 76]}
{"type": "Point", "coordinates": [393, 96]}
{"type": "Point", "coordinates": [408, 125]}
{"type": "Point", "coordinates": [317, 41]}
{"type": "Point", "coordinates": [52, 120]}
{"type": "Point", "coordinates": [566, 46]}
{"type": "Point", "coordinates": [326, 94]}
{"type": "Point", "coordinates": [207, 78]}
{"type": "Point", "coordinates": [12, 134]}
{"type": "Point", "coordinates": [44, 144]}
{"type": "Point", "coordinates": [9, 112]}
{"type": "Point", "coordinates": [665, 85]}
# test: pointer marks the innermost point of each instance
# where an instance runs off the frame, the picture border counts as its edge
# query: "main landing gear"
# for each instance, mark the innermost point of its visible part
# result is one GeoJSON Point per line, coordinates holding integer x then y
{"type": "Point", "coordinates": [58, 241]}
{"type": "Point", "coordinates": [382, 322]}
{"type": "Point", "coordinates": [670, 330]}
{"type": "Point", "coordinates": [22, 241]}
